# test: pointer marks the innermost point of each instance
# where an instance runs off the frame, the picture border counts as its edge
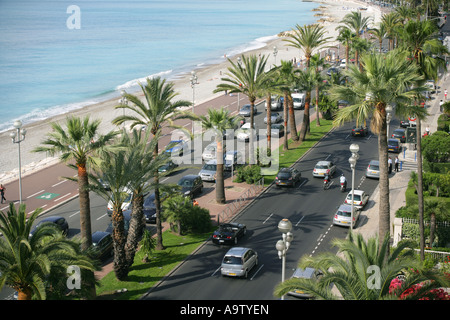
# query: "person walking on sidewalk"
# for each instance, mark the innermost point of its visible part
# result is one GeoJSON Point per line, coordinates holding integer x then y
{"type": "Point", "coordinates": [2, 191]}
{"type": "Point", "coordinates": [396, 164]}
{"type": "Point", "coordinates": [445, 94]}
{"type": "Point", "coordinates": [390, 165]}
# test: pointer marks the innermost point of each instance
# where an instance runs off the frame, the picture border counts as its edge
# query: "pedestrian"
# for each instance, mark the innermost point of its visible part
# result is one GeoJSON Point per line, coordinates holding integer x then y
{"type": "Point", "coordinates": [427, 129]}
{"type": "Point", "coordinates": [390, 165]}
{"type": "Point", "coordinates": [445, 94]}
{"type": "Point", "coordinates": [396, 164]}
{"type": "Point", "coordinates": [2, 191]}
{"type": "Point", "coordinates": [195, 203]}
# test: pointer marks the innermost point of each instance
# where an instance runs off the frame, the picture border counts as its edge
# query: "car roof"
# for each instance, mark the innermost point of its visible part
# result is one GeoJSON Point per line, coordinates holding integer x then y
{"type": "Point", "coordinates": [99, 235]}
{"type": "Point", "coordinates": [189, 177]}
{"type": "Point", "coordinates": [374, 162]}
{"type": "Point", "coordinates": [345, 207]}
{"type": "Point", "coordinates": [356, 192]}
{"type": "Point", "coordinates": [304, 273]}
{"type": "Point", "coordinates": [51, 219]}
{"type": "Point", "coordinates": [237, 251]}
{"type": "Point", "coordinates": [323, 162]}
{"type": "Point", "coordinates": [297, 95]}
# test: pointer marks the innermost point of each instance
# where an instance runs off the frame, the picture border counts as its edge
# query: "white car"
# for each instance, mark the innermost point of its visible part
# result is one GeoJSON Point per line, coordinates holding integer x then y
{"type": "Point", "coordinates": [243, 133]}
{"type": "Point", "coordinates": [209, 171]}
{"type": "Point", "coordinates": [275, 103]}
{"type": "Point", "coordinates": [126, 204]}
{"type": "Point", "coordinates": [360, 199]}
{"type": "Point", "coordinates": [343, 216]}
{"type": "Point", "coordinates": [210, 152]}
{"type": "Point", "coordinates": [431, 84]}
{"type": "Point", "coordinates": [275, 117]}
{"type": "Point", "coordinates": [324, 167]}
{"type": "Point", "coordinates": [299, 100]}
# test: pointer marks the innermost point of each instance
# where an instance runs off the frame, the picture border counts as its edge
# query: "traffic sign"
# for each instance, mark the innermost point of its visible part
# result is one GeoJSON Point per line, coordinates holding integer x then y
{"type": "Point", "coordinates": [48, 196]}
{"type": "Point", "coordinates": [412, 119]}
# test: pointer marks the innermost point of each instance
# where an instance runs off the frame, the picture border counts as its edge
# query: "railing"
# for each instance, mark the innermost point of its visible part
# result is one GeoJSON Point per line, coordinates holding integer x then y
{"type": "Point", "coordinates": [235, 206]}
{"type": "Point", "coordinates": [436, 255]}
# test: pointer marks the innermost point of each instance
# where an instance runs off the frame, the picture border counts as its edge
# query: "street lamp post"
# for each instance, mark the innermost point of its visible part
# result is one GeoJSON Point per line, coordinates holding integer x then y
{"type": "Point", "coordinates": [17, 137]}
{"type": "Point", "coordinates": [193, 81]}
{"type": "Point", "coordinates": [285, 227]}
{"type": "Point", "coordinates": [388, 118]}
{"type": "Point", "coordinates": [354, 148]}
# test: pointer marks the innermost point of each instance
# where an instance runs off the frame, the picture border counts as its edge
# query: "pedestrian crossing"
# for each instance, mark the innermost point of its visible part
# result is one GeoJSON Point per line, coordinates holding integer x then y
{"type": "Point", "coordinates": [408, 164]}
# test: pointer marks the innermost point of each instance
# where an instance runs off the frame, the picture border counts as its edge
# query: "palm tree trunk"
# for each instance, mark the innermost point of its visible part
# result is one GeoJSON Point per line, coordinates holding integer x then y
{"type": "Point", "coordinates": [251, 147]}
{"type": "Point", "coordinates": [292, 125]}
{"type": "Point", "coordinates": [420, 190]}
{"type": "Point", "coordinates": [384, 206]}
{"type": "Point", "coordinates": [85, 209]}
{"type": "Point", "coordinates": [285, 116]}
{"type": "Point", "coordinates": [159, 240]}
{"type": "Point", "coordinates": [269, 123]}
{"type": "Point", "coordinates": [317, 107]}
{"type": "Point", "coordinates": [220, 184]}
{"type": "Point", "coordinates": [120, 262]}
{"type": "Point", "coordinates": [305, 125]}
{"type": "Point", "coordinates": [136, 228]}
{"type": "Point", "coordinates": [24, 294]}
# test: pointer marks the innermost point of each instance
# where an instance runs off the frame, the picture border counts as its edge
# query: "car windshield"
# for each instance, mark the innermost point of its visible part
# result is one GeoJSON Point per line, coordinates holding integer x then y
{"type": "Point", "coordinates": [356, 197]}
{"type": "Point", "coordinates": [185, 183]}
{"type": "Point", "coordinates": [374, 167]}
{"type": "Point", "coordinates": [321, 166]}
{"type": "Point", "coordinates": [393, 143]}
{"type": "Point", "coordinates": [210, 167]}
{"type": "Point", "coordinates": [149, 200]}
{"type": "Point", "coordinates": [232, 260]}
{"type": "Point", "coordinates": [210, 148]}
{"type": "Point", "coordinates": [344, 213]}
{"type": "Point", "coordinates": [284, 175]}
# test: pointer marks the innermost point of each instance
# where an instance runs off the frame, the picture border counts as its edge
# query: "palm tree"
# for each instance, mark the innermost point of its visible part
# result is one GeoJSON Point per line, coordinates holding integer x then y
{"type": "Point", "coordinates": [271, 86]}
{"type": "Point", "coordinates": [157, 111]}
{"type": "Point", "coordinates": [391, 21]}
{"type": "Point", "coordinates": [247, 77]}
{"type": "Point", "coordinates": [287, 77]}
{"type": "Point", "coordinates": [27, 263]}
{"type": "Point", "coordinates": [379, 33]}
{"type": "Point", "coordinates": [307, 81]}
{"type": "Point", "coordinates": [345, 37]}
{"type": "Point", "coordinates": [361, 271]}
{"type": "Point", "coordinates": [79, 143]}
{"type": "Point", "coordinates": [385, 80]}
{"type": "Point", "coordinates": [318, 63]}
{"type": "Point", "coordinates": [355, 22]}
{"type": "Point", "coordinates": [217, 122]}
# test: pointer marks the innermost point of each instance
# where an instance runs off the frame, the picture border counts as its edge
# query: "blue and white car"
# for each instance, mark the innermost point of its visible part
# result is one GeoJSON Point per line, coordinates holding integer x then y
{"type": "Point", "coordinates": [177, 147]}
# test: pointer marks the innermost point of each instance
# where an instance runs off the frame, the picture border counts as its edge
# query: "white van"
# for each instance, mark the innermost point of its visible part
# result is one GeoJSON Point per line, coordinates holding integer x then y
{"type": "Point", "coordinates": [299, 100]}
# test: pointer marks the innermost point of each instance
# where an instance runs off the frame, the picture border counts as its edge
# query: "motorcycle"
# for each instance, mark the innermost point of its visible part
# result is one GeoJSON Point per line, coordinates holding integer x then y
{"type": "Point", "coordinates": [326, 183]}
{"type": "Point", "coordinates": [343, 186]}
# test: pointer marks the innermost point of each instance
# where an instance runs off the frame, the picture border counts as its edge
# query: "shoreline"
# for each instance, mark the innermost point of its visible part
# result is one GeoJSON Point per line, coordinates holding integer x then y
{"type": "Point", "coordinates": [208, 78]}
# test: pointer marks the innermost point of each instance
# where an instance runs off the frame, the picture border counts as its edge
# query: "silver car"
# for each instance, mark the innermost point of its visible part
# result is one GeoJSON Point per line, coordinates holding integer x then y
{"type": "Point", "coordinates": [343, 217]}
{"type": "Point", "coordinates": [210, 151]}
{"type": "Point", "coordinates": [324, 167]}
{"type": "Point", "coordinates": [238, 262]}
{"type": "Point", "coordinates": [245, 110]}
{"type": "Point", "coordinates": [373, 169]}
{"type": "Point", "coordinates": [307, 273]}
{"type": "Point", "coordinates": [275, 117]}
{"type": "Point", "coordinates": [209, 171]}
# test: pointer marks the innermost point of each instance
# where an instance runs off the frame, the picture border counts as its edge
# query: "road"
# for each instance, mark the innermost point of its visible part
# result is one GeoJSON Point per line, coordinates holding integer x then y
{"type": "Point", "coordinates": [309, 208]}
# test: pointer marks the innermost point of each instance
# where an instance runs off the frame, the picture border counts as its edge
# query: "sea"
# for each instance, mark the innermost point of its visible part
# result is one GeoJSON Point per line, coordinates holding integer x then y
{"type": "Point", "coordinates": [57, 56]}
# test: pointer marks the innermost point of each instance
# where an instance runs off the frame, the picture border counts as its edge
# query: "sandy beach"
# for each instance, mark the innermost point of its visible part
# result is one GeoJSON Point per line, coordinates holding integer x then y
{"type": "Point", "coordinates": [208, 78]}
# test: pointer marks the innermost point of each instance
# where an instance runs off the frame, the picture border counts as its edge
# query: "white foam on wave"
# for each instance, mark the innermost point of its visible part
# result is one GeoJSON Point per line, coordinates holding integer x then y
{"type": "Point", "coordinates": [135, 82]}
{"type": "Point", "coordinates": [252, 45]}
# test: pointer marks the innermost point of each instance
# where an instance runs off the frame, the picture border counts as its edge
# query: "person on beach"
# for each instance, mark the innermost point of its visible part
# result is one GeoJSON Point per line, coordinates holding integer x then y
{"type": "Point", "coordinates": [2, 191]}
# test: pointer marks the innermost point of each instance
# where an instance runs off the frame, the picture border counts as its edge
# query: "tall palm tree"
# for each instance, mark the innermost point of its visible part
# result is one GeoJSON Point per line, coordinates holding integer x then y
{"type": "Point", "coordinates": [156, 111]}
{"type": "Point", "coordinates": [318, 63]}
{"type": "Point", "coordinates": [345, 37]}
{"type": "Point", "coordinates": [307, 81]}
{"type": "Point", "coordinates": [78, 142]}
{"type": "Point", "coordinates": [379, 33]}
{"type": "Point", "coordinates": [361, 271]}
{"type": "Point", "coordinates": [217, 122]}
{"type": "Point", "coordinates": [391, 21]}
{"type": "Point", "coordinates": [385, 80]}
{"type": "Point", "coordinates": [269, 87]}
{"type": "Point", "coordinates": [27, 262]}
{"type": "Point", "coordinates": [248, 78]}
{"type": "Point", "coordinates": [287, 77]}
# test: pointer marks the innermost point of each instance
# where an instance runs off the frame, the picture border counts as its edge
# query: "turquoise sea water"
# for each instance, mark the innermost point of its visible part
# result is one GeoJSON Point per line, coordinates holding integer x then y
{"type": "Point", "coordinates": [47, 67]}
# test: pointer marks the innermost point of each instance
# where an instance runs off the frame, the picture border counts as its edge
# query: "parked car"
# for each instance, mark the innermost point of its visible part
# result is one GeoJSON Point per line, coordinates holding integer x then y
{"type": "Point", "coordinates": [208, 171]}
{"type": "Point", "coordinates": [126, 204]}
{"type": "Point", "coordinates": [275, 117]}
{"type": "Point", "coordinates": [245, 110]}
{"type": "Point", "coordinates": [177, 147]}
{"type": "Point", "coordinates": [191, 184]}
{"type": "Point", "coordinates": [404, 123]}
{"type": "Point", "coordinates": [399, 134]}
{"type": "Point", "coordinates": [431, 85]}
{"type": "Point", "coordinates": [373, 169]}
{"type": "Point", "coordinates": [149, 208]}
{"type": "Point", "coordinates": [332, 70]}
{"type": "Point", "coordinates": [323, 167]}
{"type": "Point", "coordinates": [232, 159]}
{"type": "Point", "coordinates": [238, 262]}
{"type": "Point", "coordinates": [307, 273]}
{"type": "Point", "coordinates": [126, 223]}
{"type": "Point", "coordinates": [167, 167]}
{"type": "Point", "coordinates": [57, 221]}
{"type": "Point", "coordinates": [394, 145]}
{"type": "Point", "coordinates": [287, 177]}
{"type": "Point", "coordinates": [360, 131]}
{"type": "Point", "coordinates": [298, 100]}
{"type": "Point", "coordinates": [360, 199]}
{"type": "Point", "coordinates": [243, 133]}
{"type": "Point", "coordinates": [229, 233]}
{"type": "Point", "coordinates": [210, 151]}
{"type": "Point", "coordinates": [277, 130]}
{"type": "Point", "coordinates": [275, 103]}
{"type": "Point", "coordinates": [343, 217]}
{"type": "Point", "coordinates": [102, 243]}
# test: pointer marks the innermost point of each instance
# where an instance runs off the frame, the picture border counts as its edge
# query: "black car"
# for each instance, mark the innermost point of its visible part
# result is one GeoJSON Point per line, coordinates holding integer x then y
{"type": "Point", "coordinates": [399, 134]}
{"type": "Point", "coordinates": [102, 245]}
{"type": "Point", "coordinates": [58, 221]}
{"type": "Point", "coordinates": [359, 131]}
{"type": "Point", "coordinates": [229, 233]}
{"type": "Point", "coordinates": [191, 184]}
{"type": "Point", "coordinates": [287, 177]}
{"type": "Point", "coordinates": [394, 145]}
{"type": "Point", "coordinates": [167, 167]}
{"type": "Point", "coordinates": [150, 208]}
{"type": "Point", "coordinates": [404, 123]}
